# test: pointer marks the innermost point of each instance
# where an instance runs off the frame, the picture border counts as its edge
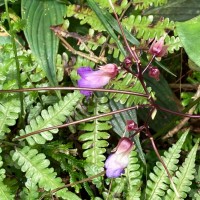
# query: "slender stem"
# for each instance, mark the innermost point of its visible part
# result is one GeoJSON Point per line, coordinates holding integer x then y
{"type": "Point", "coordinates": [80, 121]}
{"type": "Point", "coordinates": [132, 53]}
{"type": "Point", "coordinates": [177, 113]}
{"type": "Point", "coordinates": [73, 88]}
{"type": "Point", "coordinates": [21, 95]}
{"type": "Point", "coordinates": [148, 64]}
{"type": "Point", "coordinates": [78, 182]}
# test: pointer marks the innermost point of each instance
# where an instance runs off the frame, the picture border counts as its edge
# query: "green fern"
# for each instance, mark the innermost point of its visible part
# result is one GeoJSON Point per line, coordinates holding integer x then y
{"type": "Point", "coordinates": [85, 15]}
{"type": "Point", "coordinates": [95, 139]}
{"type": "Point", "coordinates": [5, 192]}
{"type": "Point", "coordinates": [119, 5]}
{"type": "Point", "coordinates": [9, 113]}
{"type": "Point", "coordinates": [144, 4]}
{"type": "Point", "coordinates": [144, 28]}
{"type": "Point", "coordinates": [54, 115]}
{"type": "Point", "coordinates": [184, 176]}
{"type": "Point", "coordinates": [159, 181]}
{"type": "Point", "coordinates": [134, 175]}
{"type": "Point", "coordinates": [30, 192]}
{"type": "Point", "coordinates": [35, 165]}
{"type": "Point", "coordinates": [127, 82]}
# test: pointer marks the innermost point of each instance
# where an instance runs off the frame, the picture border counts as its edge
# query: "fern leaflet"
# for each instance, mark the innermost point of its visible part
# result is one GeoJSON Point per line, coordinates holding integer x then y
{"type": "Point", "coordinates": [5, 192]}
{"type": "Point", "coordinates": [144, 4]}
{"type": "Point", "coordinates": [184, 176]}
{"type": "Point", "coordinates": [54, 115]}
{"type": "Point", "coordinates": [127, 82]}
{"type": "Point", "coordinates": [158, 182]}
{"type": "Point", "coordinates": [95, 140]}
{"type": "Point", "coordinates": [36, 167]}
{"type": "Point", "coordinates": [134, 175]}
{"type": "Point", "coordinates": [9, 112]}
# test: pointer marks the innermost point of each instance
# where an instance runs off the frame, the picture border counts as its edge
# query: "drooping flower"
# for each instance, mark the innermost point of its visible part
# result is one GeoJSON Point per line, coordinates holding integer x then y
{"type": "Point", "coordinates": [154, 73]}
{"type": "Point", "coordinates": [96, 79]}
{"type": "Point", "coordinates": [158, 48]}
{"type": "Point", "coordinates": [119, 160]}
{"type": "Point", "coordinates": [131, 125]}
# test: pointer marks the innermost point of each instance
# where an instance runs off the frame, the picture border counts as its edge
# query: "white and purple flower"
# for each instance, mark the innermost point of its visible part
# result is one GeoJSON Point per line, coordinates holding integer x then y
{"type": "Point", "coordinates": [118, 161]}
{"type": "Point", "coordinates": [96, 79]}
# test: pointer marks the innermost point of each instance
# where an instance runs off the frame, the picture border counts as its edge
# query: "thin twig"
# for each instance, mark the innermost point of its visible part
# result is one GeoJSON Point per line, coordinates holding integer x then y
{"type": "Point", "coordinates": [80, 121]}
{"type": "Point", "coordinates": [184, 121]}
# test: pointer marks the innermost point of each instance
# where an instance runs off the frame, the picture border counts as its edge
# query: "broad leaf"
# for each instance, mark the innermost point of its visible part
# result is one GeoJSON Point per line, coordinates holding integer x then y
{"type": "Point", "coordinates": [189, 34]}
{"type": "Point", "coordinates": [40, 15]}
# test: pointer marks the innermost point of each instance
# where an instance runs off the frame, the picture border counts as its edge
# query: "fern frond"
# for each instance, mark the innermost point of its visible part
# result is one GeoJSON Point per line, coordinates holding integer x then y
{"type": "Point", "coordinates": [54, 115]}
{"type": "Point", "coordinates": [9, 112]}
{"type": "Point", "coordinates": [134, 175]}
{"type": "Point", "coordinates": [95, 139]}
{"type": "Point", "coordinates": [184, 176]}
{"type": "Point", "coordinates": [85, 15]}
{"type": "Point", "coordinates": [5, 192]}
{"type": "Point", "coordinates": [119, 5]}
{"type": "Point", "coordinates": [159, 181]}
{"type": "Point", "coordinates": [144, 28]}
{"type": "Point", "coordinates": [144, 4]}
{"type": "Point", "coordinates": [30, 192]}
{"type": "Point", "coordinates": [173, 43]}
{"type": "Point", "coordinates": [116, 189]}
{"type": "Point", "coordinates": [126, 81]}
{"type": "Point", "coordinates": [36, 166]}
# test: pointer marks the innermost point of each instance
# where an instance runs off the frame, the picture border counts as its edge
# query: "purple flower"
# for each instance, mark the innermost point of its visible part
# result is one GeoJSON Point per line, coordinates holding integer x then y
{"type": "Point", "coordinates": [119, 160]}
{"type": "Point", "coordinates": [96, 79]}
{"type": "Point", "coordinates": [158, 48]}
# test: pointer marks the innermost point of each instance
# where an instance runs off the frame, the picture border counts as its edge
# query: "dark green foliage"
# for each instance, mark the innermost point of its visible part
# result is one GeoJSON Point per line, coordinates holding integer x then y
{"type": "Point", "coordinates": [33, 167]}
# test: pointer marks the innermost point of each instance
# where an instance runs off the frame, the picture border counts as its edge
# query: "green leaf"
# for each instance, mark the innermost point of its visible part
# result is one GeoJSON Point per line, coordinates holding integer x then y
{"type": "Point", "coordinates": [119, 123]}
{"type": "Point", "coordinates": [36, 166]}
{"type": "Point", "coordinates": [158, 181]}
{"type": "Point", "coordinates": [189, 35]}
{"type": "Point", "coordinates": [184, 176]}
{"type": "Point", "coordinates": [53, 116]}
{"type": "Point", "coordinates": [176, 10]}
{"type": "Point", "coordinates": [40, 15]}
{"type": "Point", "coordinates": [105, 23]}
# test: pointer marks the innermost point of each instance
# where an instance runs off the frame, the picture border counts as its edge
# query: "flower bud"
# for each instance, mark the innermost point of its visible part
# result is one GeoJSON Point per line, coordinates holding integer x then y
{"type": "Point", "coordinates": [154, 73]}
{"type": "Point", "coordinates": [117, 161]}
{"type": "Point", "coordinates": [131, 125]}
{"type": "Point", "coordinates": [128, 62]}
{"type": "Point", "coordinates": [158, 48]}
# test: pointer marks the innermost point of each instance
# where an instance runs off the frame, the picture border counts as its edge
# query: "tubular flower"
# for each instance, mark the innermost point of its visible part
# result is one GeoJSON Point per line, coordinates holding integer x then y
{"type": "Point", "coordinates": [158, 48]}
{"type": "Point", "coordinates": [96, 79]}
{"type": "Point", "coordinates": [117, 161]}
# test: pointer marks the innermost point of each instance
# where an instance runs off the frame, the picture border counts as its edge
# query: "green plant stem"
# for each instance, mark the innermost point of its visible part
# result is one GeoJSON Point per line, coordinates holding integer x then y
{"type": "Point", "coordinates": [21, 95]}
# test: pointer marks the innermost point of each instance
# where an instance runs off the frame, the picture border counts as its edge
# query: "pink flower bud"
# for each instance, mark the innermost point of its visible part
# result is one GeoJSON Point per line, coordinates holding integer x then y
{"type": "Point", "coordinates": [131, 125]}
{"type": "Point", "coordinates": [119, 160]}
{"type": "Point", "coordinates": [158, 48]}
{"type": "Point", "coordinates": [154, 73]}
{"type": "Point", "coordinates": [96, 79]}
{"type": "Point", "coordinates": [128, 62]}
